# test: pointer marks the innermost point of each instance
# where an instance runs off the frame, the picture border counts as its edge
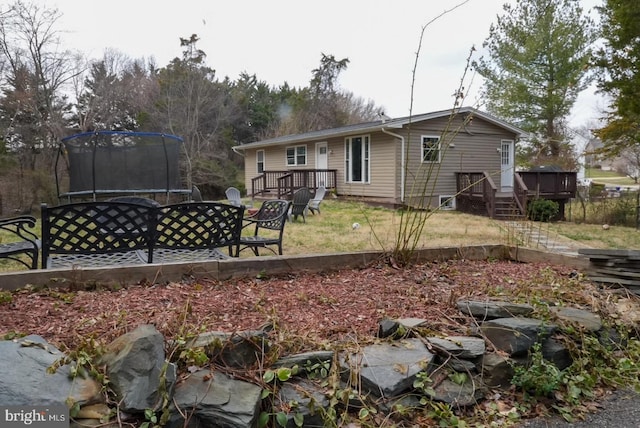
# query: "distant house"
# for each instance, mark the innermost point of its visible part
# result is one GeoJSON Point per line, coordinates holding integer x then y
{"type": "Point", "coordinates": [439, 159]}
{"type": "Point", "coordinates": [594, 160]}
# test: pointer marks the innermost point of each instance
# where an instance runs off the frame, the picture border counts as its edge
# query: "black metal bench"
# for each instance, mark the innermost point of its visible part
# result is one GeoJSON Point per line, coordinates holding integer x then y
{"type": "Point", "coordinates": [23, 242]}
{"type": "Point", "coordinates": [100, 234]}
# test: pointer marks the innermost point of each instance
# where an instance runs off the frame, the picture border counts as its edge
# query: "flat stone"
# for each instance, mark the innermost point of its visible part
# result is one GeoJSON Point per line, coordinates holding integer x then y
{"type": "Point", "coordinates": [214, 399]}
{"type": "Point", "coordinates": [387, 369]}
{"type": "Point", "coordinates": [304, 358]}
{"type": "Point", "coordinates": [496, 371]}
{"type": "Point", "coordinates": [24, 379]}
{"type": "Point", "coordinates": [387, 328]}
{"type": "Point", "coordinates": [516, 335]}
{"type": "Point", "coordinates": [136, 367]}
{"type": "Point", "coordinates": [556, 353]}
{"type": "Point", "coordinates": [487, 310]}
{"type": "Point", "coordinates": [465, 394]}
{"type": "Point", "coordinates": [310, 400]}
{"type": "Point", "coordinates": [460, 365]}
{"type": "Point", "coordinates": [412, 322]}
{"type": "Point", "coordinates": [239, 350]}
{"type": "Point", "coordinates": [586, 319]}
{"type": "Point", "coordinates": [460, 346]}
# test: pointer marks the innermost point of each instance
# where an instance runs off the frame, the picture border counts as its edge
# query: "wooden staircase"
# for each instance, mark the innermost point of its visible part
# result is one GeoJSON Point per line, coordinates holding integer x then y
{"type": "Point", "coordinates": [506, 207]}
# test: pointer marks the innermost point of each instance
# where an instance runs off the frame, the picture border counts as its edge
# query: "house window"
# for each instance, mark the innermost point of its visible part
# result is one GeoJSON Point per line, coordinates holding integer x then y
{"type": "Point", "coordinates": [260, 161]}
{"type": "Point", "coordinates": [296, 155]}
{"type": "Point", "coordinates": [447, 202]}
{"type": "Point", "coordinates": [430, 149]}
{"type": "Point", "coordinates": [357, 159]}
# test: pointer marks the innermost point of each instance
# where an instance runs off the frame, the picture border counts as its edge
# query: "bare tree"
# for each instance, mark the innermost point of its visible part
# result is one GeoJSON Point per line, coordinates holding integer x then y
{"type": "Point", "coordinates": [35, 65]}
{"type": "Point", "coordinates": [34, 72]}
{"type": "Point", "coordinates": [628, 162]}
{"type": "Point", "coordinates": [114, 93]}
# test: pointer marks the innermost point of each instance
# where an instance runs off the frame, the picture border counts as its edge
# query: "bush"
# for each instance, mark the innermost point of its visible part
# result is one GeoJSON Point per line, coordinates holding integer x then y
{"type": "Point", "coordinates": [597, 190]}
{"type": "Point", "coordinates": [543, 210]}
{"type": "Point", "coordinates": [620, 211]}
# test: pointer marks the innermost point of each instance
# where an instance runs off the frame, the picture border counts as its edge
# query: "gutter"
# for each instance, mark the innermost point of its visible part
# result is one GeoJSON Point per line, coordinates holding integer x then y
{"type": "Point", "coordinates": [402, 160]}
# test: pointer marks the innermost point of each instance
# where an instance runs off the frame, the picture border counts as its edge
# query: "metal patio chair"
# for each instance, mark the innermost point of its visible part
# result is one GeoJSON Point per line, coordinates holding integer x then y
{"type": "Point", "coordinates": [270, 218]}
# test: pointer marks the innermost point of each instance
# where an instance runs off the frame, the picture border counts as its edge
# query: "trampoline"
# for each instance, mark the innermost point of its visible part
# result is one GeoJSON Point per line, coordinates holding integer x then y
{"type": "Point", "coordinates": [114, 163]}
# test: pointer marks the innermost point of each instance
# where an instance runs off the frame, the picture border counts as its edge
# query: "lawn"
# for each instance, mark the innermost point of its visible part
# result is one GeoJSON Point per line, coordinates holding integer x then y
{"type": "Point", "coordinates": [608, 177]}
{"type": "Point", "coordinates": [333, 231]}
{"type": "Point", "coordinates": [332, 310]}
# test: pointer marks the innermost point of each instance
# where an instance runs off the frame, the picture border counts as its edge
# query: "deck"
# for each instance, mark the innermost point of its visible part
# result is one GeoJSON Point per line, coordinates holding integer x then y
{"type": "Point", "coordinates": [282, 184]}
{"type": "Point", "coordinates": [477, 193]}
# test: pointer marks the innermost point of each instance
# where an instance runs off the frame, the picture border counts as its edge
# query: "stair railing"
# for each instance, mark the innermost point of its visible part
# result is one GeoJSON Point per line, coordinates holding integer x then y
{"type": "Point", "coordinates": [489, 191]}
{"type": "Point", "coordinates": [520, 193]}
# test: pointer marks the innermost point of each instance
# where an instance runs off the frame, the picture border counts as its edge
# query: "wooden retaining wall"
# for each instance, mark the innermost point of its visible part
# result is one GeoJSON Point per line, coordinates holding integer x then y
{"type": "Point", "coordinates": [270, 265]}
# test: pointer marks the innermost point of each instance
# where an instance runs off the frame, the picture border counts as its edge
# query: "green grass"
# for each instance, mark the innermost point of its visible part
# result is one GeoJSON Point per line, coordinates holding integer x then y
{"type": "Point", "coordinates": [332, 231]}
{"type": "Point", "coordinates": [593, 235]}
{"type": "Point", "coordinates": [607, 177]}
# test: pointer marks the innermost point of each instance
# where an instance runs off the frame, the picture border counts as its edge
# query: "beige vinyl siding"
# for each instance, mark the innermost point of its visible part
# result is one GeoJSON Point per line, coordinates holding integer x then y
{"type": "Point", "coordinates": [383, 165]}
{"type": "Point", "coordinates": [250, 167]}
{"type": "Point", "coordinates": [475, 150]}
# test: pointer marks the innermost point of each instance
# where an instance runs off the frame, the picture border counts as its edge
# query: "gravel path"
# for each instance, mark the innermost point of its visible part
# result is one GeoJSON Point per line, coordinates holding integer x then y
{"type": "Point", "coordinates": [621, 409]}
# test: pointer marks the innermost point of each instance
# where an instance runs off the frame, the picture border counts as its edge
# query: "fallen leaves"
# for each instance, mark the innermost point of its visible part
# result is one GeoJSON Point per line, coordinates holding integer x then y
{"type": "Point", "coordinates": [339, 306]}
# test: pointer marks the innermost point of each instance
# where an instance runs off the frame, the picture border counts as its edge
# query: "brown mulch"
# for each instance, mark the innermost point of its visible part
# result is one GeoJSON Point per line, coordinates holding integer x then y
{"type": "Point", "coordinates": [335, 306]}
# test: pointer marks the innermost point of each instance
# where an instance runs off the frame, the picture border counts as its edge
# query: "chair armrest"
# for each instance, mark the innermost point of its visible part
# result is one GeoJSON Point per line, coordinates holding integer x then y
{"type": "Point", "coordinates": [18, 227]}
{"type": "Point", "coordinates": [250, 221]}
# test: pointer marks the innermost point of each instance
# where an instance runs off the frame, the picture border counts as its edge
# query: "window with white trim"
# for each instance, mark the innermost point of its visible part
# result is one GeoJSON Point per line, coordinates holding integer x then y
{"type": "Point", "coordinates": [357, 159]}
{"type": "Point", "coordinates": [447, 202]}
{"type": "Point", "coordinates": [260, 161]}
{"type": "Point", "coordinates": [430, 148]}
{"type": "Point", "coordinates": [296, 155]}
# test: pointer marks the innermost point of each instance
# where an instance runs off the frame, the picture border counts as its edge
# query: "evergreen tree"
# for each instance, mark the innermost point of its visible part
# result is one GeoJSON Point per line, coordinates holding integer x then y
{"type": "Point", "coordinates": [537, 64]}
{"type": "Point", "coordinates": [194, 105]}
{"type": "Point", "coordinates": [619, 76]}
{"type": "Point", "coordinates": [323, 104]}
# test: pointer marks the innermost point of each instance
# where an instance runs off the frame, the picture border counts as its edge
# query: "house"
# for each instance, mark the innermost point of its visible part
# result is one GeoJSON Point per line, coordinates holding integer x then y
{"type": "Point", "coordinates": [462, 158]}
{"type": "Point", "coordinates": [594, 160]}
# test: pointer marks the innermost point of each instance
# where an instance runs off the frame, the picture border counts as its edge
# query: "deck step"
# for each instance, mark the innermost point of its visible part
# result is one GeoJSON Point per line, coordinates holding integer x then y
{"type": "Point", "coordinates": [506, 208]}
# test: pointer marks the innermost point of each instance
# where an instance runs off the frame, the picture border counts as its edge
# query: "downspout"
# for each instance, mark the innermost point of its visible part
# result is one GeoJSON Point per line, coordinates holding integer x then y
{"type": "Point", "coordinates": [402, 160]}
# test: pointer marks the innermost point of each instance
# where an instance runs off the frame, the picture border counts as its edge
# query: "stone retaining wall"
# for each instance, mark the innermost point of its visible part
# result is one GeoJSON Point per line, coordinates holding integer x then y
{"type": "Point", "coordinates": [384, 376]}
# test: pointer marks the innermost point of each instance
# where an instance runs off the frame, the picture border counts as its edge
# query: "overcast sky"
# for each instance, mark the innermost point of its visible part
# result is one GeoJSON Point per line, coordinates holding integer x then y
{"type": "Point", "coordinates": [282, 41]}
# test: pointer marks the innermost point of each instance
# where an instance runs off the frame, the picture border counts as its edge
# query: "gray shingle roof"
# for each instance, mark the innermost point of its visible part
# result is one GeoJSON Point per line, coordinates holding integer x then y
{"type": "Point", "coordinates": [377, 125]}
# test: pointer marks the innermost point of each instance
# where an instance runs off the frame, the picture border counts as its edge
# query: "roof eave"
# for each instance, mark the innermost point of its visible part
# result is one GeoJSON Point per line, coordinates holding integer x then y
{"type": "Point", "coordinates": [307, 139]}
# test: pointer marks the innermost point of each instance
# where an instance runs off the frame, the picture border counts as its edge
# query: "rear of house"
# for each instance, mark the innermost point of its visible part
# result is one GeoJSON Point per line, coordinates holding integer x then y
{"type": "Point", "coordinates": [406, 161]}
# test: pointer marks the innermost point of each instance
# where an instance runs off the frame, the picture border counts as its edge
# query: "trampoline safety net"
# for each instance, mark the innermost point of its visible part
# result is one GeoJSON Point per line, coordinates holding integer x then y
{"type": "Point", "coordinates": [115, 162]}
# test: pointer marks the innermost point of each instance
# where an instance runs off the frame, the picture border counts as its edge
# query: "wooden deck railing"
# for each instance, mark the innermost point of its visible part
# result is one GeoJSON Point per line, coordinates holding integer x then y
{"type": "Point", "coordinates": [489, 191]}
{"type": "Point", "coordinates": [477, 191]}
{"type": "Point", "coordinates": [285, 182]}
{"type": "Point", "coordinates": [477, 186]}
{"type": "Point", "coordinates": [520, 193]}
{"type": "Point", "coordinates": [550, 185]}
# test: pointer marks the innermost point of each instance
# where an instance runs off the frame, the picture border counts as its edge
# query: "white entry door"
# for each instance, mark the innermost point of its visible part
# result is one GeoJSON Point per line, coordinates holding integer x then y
{"type": "Point", "coordinates": [322, 163]}
{"type": "Point", "coordinates": [507, 164]}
